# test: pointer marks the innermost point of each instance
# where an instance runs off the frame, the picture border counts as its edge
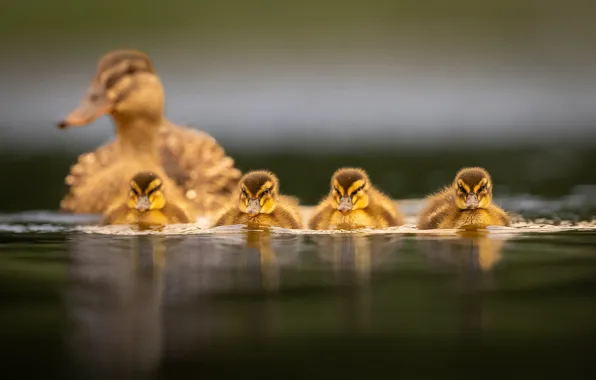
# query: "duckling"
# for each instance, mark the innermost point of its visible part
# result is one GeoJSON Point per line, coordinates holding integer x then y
{"type": "Point", "coordinates": [146, 205]}
{"type": "Point", "coordinates": [354, 203]}
{"type": "Point", "coordinates": [258, 203]}
{"type": "Point", "coordinates": [193, 164]}
{"type": "Point", "coordinates": [467, 202]}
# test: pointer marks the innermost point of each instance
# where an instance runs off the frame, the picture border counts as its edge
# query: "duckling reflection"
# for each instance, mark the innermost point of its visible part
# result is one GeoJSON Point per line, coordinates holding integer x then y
{"type": "Point", "coordinates": [115, 299]}
{"type": "Point", "coordinates": [127, 294]}
{"type": "Point", "coordinates": [261, 241]}
{"type": "Point", "coordinates": [261, 253]}
{"type": "Point", "coordinates": [473, 255]}
{"type": "Point", "coordinates": [470, 249]}
{"type": "Point", "coordinates": [353, 257]}
{"type": "Point", "coordinates": [357, 253]}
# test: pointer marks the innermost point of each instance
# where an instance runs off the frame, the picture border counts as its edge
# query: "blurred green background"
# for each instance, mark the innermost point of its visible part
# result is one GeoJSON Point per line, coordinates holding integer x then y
{"type": "Point", "coordinates": [409, 90]}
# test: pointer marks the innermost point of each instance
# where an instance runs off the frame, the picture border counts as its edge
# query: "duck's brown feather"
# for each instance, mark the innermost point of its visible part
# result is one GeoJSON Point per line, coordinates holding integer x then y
{"type": "Point", "coordinates": [196, 164]}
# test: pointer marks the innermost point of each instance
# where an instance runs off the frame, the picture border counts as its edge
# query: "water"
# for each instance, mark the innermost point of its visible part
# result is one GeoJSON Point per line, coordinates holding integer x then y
{"type": "Point", "coordinates": [85, 302]}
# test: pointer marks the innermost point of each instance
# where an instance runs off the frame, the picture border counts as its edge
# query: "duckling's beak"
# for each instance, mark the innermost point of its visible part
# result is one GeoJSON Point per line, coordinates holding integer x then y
{"type": "Point", "coordinates": [472, 201]}
{"type": "Point", "coordinates": [143, 203]}
{"type": "Point", "coordinates": [94, 105]}
{"type": "Point", "coordinates": [345, 205]}
{"type": "Point", "coordinates": [254, 207]}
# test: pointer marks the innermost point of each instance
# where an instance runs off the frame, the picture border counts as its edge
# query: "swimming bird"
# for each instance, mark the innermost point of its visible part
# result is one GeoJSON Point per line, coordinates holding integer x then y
{"type": "Point", "coordinates": [466, 202]}
{"type": "Point", "coordinates": [147, 204]}
{"type": "Point", "coordinates": [194, 166]}
{"type": "Point", "coordinates": [354, 202]}
{"type": "Point", "coordinates": [257, 202]}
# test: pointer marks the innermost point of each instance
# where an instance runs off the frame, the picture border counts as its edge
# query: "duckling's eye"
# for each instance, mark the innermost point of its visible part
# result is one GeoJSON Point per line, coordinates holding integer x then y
{"type": "Point", "coordinates": [156, 188]}
{"type": "Point", "coordinates": [482, 188]}
{"type": "Point", "coordinates": [134, 191]}
{"type": "Point", "coordinates": [245, 193]}
{"type": "Point", "coordinates": [359, 189]}
{"type": "Point", "coordinates": [336, 190]}
{"type": "Point", "coordinates": [461, 189]}
{"type": "Point", "coordinates": [266, 192]}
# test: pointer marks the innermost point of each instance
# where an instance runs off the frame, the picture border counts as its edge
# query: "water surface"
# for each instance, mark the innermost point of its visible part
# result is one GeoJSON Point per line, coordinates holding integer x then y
{"type": "Point", "coordinates": [232, 302]}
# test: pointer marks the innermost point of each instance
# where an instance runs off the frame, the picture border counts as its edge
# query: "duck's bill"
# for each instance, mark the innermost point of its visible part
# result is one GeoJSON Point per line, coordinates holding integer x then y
{"type": "Point", "coordinates": [253, 207]}
{"type": "Point", "coordinates": [345, 205]}
{"type": "Point", "coordinates": [94, 105]}
{"type": "Point", "coordinates": [143, 203]}
{"type": "Point", "coordinates": [472, 201]}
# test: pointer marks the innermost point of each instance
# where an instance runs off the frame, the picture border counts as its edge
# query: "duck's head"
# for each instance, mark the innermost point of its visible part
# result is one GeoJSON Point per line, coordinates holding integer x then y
{"type": "Point", "coordinates": [473, 188]}
{"type": "Point", "coordinates": [125, 84]}
{"type": "Point", "coordinates": [258, 193]}
{"type": "Point", "coordinates": [349, 190]}
{"type": "Point", "coordinates": [146, 192]}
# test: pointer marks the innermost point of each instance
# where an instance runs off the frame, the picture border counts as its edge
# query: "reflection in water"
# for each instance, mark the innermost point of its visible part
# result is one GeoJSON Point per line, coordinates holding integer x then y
{"type": "Point", "coordinates": [115, 299]}
{"type": "Point", "coordinates": [136, 301]}
{"type": "Point", "coordinates": [353, 257]}
{"type": "Point", "coordinates": [474, 254]}
{"type": "Point", "coordinates": [127, 292]}
{"type": "Point", "coordinates": [470, 250]}
{"type": "Point", "coordinates": [243, 300]}
{"type": "Point", "coordinates": [261, 242]}
{"type": "Point", "coordinates": [257, 256]}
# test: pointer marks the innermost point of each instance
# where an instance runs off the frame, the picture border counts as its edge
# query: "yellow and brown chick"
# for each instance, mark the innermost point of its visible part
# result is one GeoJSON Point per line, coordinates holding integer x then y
{"type": "Point", "coordinates": [258, 203]}
{"type": "Point", "coordinates": [465, 203]}
{"type": "Point", "coordinates": [354, 203]}
{"type": "Point", "coordinates": [146, 205]}
{"type": "Point", "coordinates": [192, 164]}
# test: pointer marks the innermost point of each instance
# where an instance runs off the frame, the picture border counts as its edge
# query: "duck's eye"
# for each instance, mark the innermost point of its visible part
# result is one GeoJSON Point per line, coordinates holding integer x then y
{"type": "Point", "coordinates": [357, 190]}
{"type": "Point", "coordinates": [245, 193]}
{"type": "Point", "coordinates": [156, 188]}
{"type": "Point", "coordinates": [265, 192]}
{"type": "Point", "coordinates": [134, 191]}
{"type": "Point", "coordinates": [482, 188]}
{"type": "Point", "coordinates": [336, 190]}
{"type": "Point", "coordinates": [461, 189]}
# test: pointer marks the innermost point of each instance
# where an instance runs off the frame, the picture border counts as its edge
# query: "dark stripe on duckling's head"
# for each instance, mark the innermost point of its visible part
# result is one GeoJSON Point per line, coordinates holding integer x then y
{"type": "Point", "coordinates": [473, 188]}
{"type": "Point", "coordinates": [472, 179]}
{"type": "Point", "coordinates": [146, 182]}
{"type": "Point", "coordinates": [146, 192]}
{"type": "Point", "coordinates": [256, 182]}
{"type": "Point", "coordinates": [346, 177]}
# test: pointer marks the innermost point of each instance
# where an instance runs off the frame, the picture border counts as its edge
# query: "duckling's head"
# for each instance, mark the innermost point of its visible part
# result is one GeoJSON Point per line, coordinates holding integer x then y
{"type": "Point", "coordinates": [125, 84]}
{"type": "Point", "coordinates": [473, 188]}
{"type": "Point", "coordinates": [349, 190]}
{"type": "Point", "coordinates": [258, 193]}
{"type": "Point", "coordinates": [146, 192]}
